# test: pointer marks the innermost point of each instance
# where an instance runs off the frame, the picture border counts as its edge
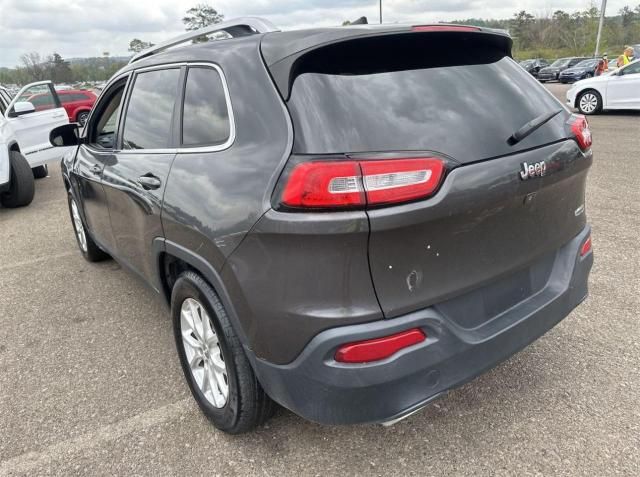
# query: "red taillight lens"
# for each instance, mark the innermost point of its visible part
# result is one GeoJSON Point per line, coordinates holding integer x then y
{"type": "Point", "coordinates": [586, 247]}
{"type": "Point", "coordinates": [378, 348]}
{"type": "Point", "coordinates": [580, 129]}
{"type": "Point", "coordinates": [343, 184]}
{"type": "Point", "coordinates": [324, 184]}
{"type": "Point", "coordinates": [444, 28]}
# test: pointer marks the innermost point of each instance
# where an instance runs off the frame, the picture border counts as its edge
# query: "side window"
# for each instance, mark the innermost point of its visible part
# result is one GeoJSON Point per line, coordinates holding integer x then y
{"type": "Point", "coordinates": [104, 124]}
{"type": "Point", "coordinates": [149, 116]}
{"type": "Point", "coordinates": [41, 96]}
{"type": "Point", "coordinates": [632, 69]}
{"type": "Point", "coordinates": [65, 98]}
{"type": "Point", "coordinates": [205, 117]}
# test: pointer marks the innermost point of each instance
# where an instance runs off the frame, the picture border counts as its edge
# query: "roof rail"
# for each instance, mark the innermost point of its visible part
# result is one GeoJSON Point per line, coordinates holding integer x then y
{"type": "Point", "coordinates": [237, 27]}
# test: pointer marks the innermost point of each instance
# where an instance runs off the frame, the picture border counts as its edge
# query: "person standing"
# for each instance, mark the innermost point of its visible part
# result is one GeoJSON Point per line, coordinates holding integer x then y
{"type": "Point", "coordinates": [627, 56]}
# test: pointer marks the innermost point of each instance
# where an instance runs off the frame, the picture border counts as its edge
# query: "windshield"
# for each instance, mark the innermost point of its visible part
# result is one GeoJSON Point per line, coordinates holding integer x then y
{"type": "Point", "coordinates": [560, 62]}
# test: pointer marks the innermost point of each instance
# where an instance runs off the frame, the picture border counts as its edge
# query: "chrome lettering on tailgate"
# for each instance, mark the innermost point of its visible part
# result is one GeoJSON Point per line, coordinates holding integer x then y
{"type": "Point", "coordinates": [537, 169]}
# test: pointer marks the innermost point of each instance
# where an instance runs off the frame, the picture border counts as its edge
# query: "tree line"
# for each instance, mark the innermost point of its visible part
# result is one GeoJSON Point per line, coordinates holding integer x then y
{"type": "Point", "coordinates": [551, 36]}
{"type": "Point", "coordinates": [566, 34]}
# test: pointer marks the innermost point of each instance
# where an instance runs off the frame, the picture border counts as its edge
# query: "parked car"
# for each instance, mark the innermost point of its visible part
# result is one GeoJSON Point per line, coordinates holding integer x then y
{"type": "Point", "coordinates": [582, 70]}
{"type": "Point", "coordinates": [533, 66]}
{"type": "Point", "coordinates": [617, 90]}
{"type": "Point", "coordinates": [77, 103]}
{"type": "Point", "coordinates": [25, 149]}
{"type": "Point", "coordinates": [347, 262]}
{"type": "Point", "coordinates": [552, 72]}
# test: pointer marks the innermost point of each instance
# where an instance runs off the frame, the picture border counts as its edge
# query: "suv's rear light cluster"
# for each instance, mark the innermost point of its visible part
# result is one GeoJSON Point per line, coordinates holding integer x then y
{"type": "Point", "coordinates": [343, 184]}
{"type": "Point", "coordinates": [378, 348]}
{"type": "Point", "coordinates": [580, 129]}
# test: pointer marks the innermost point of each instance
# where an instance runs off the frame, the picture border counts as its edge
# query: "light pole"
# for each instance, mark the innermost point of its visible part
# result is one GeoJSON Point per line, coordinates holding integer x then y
{"type": "Point", "coordinates": [602, 9]}
{"type": "Point", "coordinates": [381, 12]}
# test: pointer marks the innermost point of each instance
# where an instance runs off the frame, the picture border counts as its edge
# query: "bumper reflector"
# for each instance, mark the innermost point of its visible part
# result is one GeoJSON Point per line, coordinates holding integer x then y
{"type": "Point", "coordinates": [378, 348]}
{"type": "Point", "coordinates": [586, 247]}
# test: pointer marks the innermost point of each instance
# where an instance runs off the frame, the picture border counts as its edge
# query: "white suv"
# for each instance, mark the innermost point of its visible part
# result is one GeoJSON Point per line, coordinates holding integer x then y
{"type": "Point", "coordinates": [25, 149]}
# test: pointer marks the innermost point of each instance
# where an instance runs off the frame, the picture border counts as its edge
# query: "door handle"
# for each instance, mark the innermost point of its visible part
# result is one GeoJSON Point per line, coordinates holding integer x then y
{"type": "Point", "coordinates": [96, 169]}
{"type": "Point", "coordinates": [149, 182]}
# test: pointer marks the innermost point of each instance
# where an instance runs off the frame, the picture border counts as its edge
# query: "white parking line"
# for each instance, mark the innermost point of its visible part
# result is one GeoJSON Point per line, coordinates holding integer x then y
{"type": "Point", "coordinates": [29, 461]}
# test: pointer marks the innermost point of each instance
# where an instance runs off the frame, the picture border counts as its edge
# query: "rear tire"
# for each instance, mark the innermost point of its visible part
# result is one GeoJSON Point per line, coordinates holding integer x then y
{"type": "Point", "coordinates": [82, 117]}
{"type": "Point", "coordinates": [214, 363]}
{"type": "Point", "coordinates": [40, 172]}
{"type": "Point", "coordinates": [589, 102]}
{"type": "Point", "coordinates": [89, 249]}
{"type": "Point", "coordinates": [21, 182]}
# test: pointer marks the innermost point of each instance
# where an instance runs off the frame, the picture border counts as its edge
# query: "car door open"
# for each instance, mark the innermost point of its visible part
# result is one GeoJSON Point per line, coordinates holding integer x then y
{"type": "Point", "coordinates": [33, 113]}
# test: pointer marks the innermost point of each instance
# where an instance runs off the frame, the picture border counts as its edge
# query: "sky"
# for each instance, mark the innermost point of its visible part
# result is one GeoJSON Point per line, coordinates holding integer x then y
{"type": "Point", "coordinates": [80, 28]}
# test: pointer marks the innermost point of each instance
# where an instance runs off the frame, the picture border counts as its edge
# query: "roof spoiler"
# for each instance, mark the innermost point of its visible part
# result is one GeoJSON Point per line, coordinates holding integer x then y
{"type": "Point", "coordinates": [242, 26]}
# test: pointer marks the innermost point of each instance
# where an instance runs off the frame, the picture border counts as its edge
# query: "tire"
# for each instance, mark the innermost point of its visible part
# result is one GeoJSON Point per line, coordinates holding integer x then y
{"type": "Point", "coordinates": [40, 172]}
{"type": "Point", "coordinates": [222, 359]}
{"type": "Point", "coordinates": [89, 249]}
{"type": "Point", "coordinates": [21, 182]}
{"type": "Point", "coordinates": [589, 102]}
{"type": "Point", "coordinates": [82, 117]}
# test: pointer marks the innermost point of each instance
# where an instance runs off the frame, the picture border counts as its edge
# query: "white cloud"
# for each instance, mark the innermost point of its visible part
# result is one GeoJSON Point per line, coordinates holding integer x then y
{"type": "Point", "coordinates": [75, 28]}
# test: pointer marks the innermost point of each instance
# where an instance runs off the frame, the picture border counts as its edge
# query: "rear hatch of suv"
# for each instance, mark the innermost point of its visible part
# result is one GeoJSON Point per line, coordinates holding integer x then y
{"type": "Point", "coordinates": [495, 215]}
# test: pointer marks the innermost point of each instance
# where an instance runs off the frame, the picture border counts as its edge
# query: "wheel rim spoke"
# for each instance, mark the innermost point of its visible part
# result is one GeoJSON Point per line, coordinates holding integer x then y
{"type": "Point", "coordinates": [77, 225]}
{"type": "Point", "coordinates": [203, 353]}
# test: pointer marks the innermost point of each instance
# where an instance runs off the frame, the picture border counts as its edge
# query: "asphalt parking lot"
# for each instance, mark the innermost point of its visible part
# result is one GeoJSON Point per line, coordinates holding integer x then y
{"type": "Point", "coordinates": [90, 382]}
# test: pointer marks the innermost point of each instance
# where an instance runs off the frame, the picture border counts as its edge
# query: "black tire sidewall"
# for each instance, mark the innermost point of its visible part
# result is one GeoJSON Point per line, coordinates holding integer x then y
{"type": "Point", "coordinates": [22, 183]}
{"type": "Point", "coordinates": [190, 285]}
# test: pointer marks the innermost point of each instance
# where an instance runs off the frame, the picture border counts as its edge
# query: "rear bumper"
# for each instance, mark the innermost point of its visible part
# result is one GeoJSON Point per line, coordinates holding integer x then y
{"type": "Point", "coordinates": [318, 388]}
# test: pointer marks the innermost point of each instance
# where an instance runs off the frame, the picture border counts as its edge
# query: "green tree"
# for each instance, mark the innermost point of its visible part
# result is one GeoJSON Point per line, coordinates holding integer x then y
{"type": "Point", "coordinates": [59, 70]}
{"type": "Point", "coordinates": [522, 28]}
{"type": "Point", "coordinates": [200, 16]}
{"type": "Point", "coordinates": [136, 45]}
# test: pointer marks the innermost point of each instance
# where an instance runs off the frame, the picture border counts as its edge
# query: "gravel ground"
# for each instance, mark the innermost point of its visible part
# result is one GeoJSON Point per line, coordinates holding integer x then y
{"type": "Point", "coordinates": [90, 382]}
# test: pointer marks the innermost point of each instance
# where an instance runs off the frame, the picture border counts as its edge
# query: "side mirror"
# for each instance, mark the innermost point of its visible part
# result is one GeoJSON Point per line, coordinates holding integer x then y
{"type": "Point", "coordinates": [65, 135]}
{"type": "Point", "coordinates": [21, 108]}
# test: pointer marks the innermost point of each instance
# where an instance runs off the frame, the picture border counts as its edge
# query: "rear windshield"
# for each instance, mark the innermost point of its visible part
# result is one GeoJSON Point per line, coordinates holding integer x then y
{"type": "Point", "coordinates": [466, 111]}
{"type": "Point", "coordinates": [561, 62]}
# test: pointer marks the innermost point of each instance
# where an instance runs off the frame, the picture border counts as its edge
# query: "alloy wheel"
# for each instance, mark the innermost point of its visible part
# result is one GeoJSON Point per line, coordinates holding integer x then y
{"type": "Point", "coordinates": [203, 352]}
{"type": "Point", "coordinates": [588, 103]}
{"type": "Point", "coordinates": [78, 226]}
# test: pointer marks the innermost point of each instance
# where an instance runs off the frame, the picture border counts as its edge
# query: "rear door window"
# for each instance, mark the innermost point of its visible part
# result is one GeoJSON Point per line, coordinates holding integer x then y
{"type": "Point", "coordinates": [149, 116]}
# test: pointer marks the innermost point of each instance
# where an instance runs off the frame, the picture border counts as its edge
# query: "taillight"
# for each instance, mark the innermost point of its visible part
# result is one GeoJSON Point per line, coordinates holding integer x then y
{"type": "Point", "coordinates": [324, 184]}
{"type": "Point", "coordinates": [580, 129]}
{"type": "Point", "coordinates": [586, 247]}
{"type": "Point", "coordinates": [444, 28]}
{"type": "Point", "coordinates": [345, 184]}
{"type": "Point", "coordinates": [378, 348]}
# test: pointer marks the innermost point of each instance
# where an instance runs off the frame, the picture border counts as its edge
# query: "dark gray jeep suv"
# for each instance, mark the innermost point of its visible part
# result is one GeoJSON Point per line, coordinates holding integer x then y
{"type": "Point", "coordinates": [346, 221]}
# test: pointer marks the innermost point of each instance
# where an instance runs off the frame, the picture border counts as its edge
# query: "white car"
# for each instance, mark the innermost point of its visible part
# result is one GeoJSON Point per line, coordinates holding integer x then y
{"type": "Point", "coordinates": [25, 149]}
{"type": "Point", "coordinates": [619, 89]}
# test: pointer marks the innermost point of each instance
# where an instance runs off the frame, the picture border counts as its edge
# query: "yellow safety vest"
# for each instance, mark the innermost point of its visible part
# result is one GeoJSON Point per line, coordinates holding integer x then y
{"type": "Point", "coordinates": [625, 60]}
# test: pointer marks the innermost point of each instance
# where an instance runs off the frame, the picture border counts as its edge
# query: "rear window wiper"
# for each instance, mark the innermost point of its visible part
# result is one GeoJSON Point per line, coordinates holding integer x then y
{"type": "Point", "coordinates": [531, 126]}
